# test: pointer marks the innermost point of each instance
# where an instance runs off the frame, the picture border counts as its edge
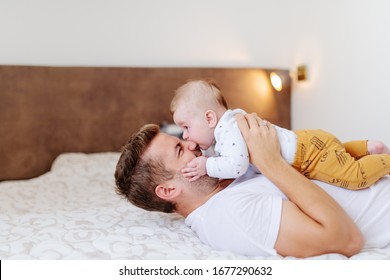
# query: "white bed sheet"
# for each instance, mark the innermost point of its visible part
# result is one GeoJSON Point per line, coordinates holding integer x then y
{"type": "Point", "coordinates": [73, 212]}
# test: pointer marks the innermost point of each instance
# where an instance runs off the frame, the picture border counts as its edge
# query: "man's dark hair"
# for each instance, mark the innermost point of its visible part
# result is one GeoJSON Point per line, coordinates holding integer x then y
{"type": "Point", "coordinates": [137, 177]}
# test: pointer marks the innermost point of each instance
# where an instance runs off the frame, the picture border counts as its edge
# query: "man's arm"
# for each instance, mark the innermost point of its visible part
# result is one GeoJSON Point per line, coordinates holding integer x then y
{"type": "Point", "coordinates": [312, 222]}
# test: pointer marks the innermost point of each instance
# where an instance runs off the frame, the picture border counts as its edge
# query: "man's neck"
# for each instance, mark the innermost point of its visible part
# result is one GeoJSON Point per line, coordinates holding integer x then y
{"type": "Point", "coordinates": [223, 183]}
{"type": "Point", "coordinates": [188, 208]}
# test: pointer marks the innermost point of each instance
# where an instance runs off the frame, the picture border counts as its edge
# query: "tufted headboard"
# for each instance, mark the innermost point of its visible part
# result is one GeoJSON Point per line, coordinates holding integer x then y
{"type": "Point", "coordinates": [46, 111]}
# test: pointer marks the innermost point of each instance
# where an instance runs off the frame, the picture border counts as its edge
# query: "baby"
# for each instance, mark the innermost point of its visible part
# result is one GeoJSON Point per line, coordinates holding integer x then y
{"type": "Point", "coordinates": [199, 108]}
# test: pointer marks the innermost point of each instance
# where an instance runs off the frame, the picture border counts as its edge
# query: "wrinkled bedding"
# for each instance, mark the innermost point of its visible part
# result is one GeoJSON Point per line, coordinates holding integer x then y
{"type": "Point", "coordinates": [73, 212]}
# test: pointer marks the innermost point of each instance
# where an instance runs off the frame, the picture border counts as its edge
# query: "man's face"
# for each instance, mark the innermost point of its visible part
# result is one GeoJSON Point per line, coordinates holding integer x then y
{"type": "Point", "coordinates": [174, 153]}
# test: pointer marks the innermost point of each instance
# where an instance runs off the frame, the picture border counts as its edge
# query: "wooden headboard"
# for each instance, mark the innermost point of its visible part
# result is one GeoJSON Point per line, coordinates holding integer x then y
{"type": "Point", "coordinates": [46, 111]}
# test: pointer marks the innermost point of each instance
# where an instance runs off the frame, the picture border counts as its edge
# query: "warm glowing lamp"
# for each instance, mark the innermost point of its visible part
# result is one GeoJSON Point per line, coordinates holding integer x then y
{"type": "Point", "coordinates": [276, 81]}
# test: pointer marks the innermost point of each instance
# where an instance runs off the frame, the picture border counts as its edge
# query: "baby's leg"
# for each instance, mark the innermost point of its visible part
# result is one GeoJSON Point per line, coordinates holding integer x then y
{"type": "Point", "coordinates": [357, 148]}
{"type": "Point", "coordinates": [361, 148]}
{"type": "Point", "coordinates": [347, 165]}
{"type": "Point", "coordinates": [375, 147]}
{"type": "Point", "coordinates": [341, 169]}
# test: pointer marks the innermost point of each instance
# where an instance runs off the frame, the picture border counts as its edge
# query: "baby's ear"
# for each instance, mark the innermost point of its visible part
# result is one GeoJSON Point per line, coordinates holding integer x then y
{"type": "Point", "coordinates": [211, 118]}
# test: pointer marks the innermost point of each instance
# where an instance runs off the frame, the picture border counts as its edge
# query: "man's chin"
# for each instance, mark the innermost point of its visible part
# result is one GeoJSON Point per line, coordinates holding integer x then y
{"type": "Point", "coordinates": [205, 183]}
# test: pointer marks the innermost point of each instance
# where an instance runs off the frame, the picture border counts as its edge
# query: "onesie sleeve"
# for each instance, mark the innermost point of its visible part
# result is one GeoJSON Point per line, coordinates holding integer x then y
{"type": "Point", "coordinates": [231, 158]}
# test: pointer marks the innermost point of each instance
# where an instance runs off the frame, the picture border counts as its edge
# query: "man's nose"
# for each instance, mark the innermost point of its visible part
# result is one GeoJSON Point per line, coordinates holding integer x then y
{"type": "Point", "coordinates": [190, 145]}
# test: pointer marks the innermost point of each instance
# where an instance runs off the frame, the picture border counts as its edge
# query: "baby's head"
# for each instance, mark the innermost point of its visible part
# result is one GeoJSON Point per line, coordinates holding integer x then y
{"type": "Point", "coordinates": [197, 107]}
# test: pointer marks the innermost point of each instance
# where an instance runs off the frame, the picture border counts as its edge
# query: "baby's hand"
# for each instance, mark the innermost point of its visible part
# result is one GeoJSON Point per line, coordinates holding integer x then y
{"type": "Point", "coordinates": [195, 168]}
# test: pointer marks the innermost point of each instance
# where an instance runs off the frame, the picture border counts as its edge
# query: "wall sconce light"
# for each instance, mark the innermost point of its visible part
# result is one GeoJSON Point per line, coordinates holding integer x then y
{"type": "Point", "coordinates": [302, 73]}
{"type": "Point", "coordinates": [276, 81]}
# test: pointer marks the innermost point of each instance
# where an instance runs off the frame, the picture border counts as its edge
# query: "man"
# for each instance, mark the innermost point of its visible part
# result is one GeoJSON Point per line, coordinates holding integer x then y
{"type": "Point", "coordinates": [251, 216]}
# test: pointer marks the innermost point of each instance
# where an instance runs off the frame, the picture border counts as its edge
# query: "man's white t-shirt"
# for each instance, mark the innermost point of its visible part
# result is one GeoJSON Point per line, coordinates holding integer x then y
{"type": "Point", "coordinates": [245, 217]}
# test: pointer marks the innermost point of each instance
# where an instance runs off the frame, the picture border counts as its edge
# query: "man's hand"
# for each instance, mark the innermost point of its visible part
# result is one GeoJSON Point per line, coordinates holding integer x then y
{"type": "Point", "coordinates": [195, 168]}
{"type": "Point", "coordinates": [261, 139]}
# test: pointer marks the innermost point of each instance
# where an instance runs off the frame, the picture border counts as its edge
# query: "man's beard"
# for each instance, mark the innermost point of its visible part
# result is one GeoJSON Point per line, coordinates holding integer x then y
{"type": "Point", "coordinates": [204, 184]}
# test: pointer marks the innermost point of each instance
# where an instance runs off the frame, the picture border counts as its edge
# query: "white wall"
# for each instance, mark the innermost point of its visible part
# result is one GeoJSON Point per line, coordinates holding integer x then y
{"type": "Point", "coordinates": [344, 43]}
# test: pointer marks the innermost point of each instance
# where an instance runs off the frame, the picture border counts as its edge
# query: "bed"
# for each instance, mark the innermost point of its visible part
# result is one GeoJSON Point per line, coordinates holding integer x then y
{"type": "Point", "coordinates": [61, 132]}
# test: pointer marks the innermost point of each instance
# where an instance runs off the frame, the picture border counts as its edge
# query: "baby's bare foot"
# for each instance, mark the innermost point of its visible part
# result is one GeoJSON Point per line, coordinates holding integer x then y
{"type": "Point", "coordinates": [377, 147]}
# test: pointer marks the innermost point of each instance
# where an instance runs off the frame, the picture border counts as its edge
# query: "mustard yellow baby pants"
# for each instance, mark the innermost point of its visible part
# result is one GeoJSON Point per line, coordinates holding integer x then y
{"type": "Point", "coordinates": [321, 156]}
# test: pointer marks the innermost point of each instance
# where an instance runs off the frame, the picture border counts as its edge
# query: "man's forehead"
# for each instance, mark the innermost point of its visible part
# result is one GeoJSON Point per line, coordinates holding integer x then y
{"type": "Point", "coordinates": [161, 145]}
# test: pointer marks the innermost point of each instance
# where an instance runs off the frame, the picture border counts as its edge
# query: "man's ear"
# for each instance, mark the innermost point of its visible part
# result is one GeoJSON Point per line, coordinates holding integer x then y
{"type": "Point", "coordinates": [211, 118]}
{"type": "Point", "coordinates": [167, 191]}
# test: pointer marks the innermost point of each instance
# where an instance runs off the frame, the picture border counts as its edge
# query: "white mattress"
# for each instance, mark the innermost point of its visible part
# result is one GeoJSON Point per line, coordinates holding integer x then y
{"type": "Point", "coordinates": [73, 212]}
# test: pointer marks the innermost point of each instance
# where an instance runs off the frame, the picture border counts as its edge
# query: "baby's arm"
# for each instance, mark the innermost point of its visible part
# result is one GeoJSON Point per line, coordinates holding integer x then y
{"type": "Point", "coordinates": [219, 167]}
{"type": "Point", "coordinates": [224, 167]}
{"type": "Point", "coordinates": [195, 168]}
{"type": "Point", "coordinates": [232, 159]}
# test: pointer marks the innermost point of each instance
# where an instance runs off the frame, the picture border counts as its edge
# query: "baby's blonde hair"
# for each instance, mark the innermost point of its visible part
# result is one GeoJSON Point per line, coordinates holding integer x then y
{"type": "Point", "coordinates": [200, 95]}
